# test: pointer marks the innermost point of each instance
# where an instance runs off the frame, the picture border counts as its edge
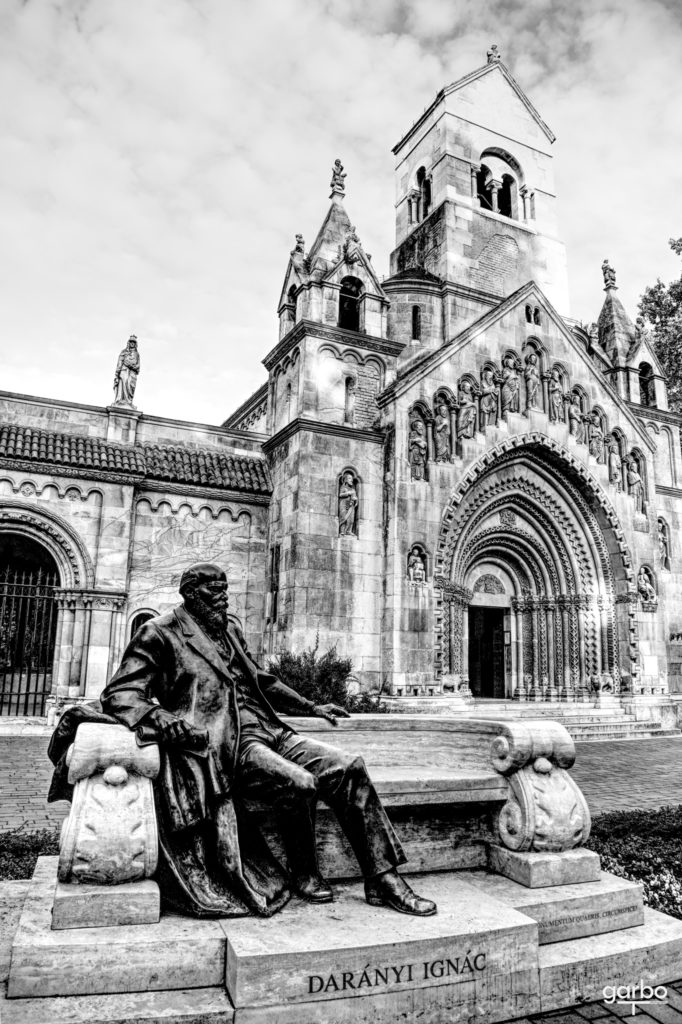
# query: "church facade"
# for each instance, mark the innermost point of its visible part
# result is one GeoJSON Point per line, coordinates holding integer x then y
{"type": "Point", "coordinates": [465, 490]}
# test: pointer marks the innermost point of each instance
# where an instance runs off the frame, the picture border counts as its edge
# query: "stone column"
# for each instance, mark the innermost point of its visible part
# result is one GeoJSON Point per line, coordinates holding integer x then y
{"type": "Point", "coordinates": [550, 650]}
{"type": "Point", "coordinates": [75, 675]}
{"type": "Point", "coordinates": [66, 602]}
{"type": "Point", "coordinates": [518, 619]}
{"type": "Point", "coordinates": [430, 443]}
{"type": "Point", "coordinates": [523, 192]}
{"type": "Point", "coordinates": [604, 631]}
{"type": "Point", "coordinates": [475, 168]}
{"type": "Point", "coordinates": [495, 187]}
{"type": "Point", "coordinates": [566, 623]}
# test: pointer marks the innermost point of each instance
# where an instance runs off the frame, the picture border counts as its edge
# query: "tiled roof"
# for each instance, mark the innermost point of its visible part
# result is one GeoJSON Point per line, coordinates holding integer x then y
{"type": "Point", "coordinates": [176, 463]}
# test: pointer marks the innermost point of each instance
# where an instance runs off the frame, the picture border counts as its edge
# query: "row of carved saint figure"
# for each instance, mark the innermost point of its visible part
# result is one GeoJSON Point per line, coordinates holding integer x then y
{"type": "Point", "coordinates": [479, 405]}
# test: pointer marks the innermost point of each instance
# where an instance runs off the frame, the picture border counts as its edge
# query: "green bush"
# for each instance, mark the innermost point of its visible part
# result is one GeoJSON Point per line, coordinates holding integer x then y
{"type": "Point", "coordinates": [646, 847]}
{"type": "Point", "coordinates": [323, 679]}
{"type": "Point", "coordinates": [20, 849]}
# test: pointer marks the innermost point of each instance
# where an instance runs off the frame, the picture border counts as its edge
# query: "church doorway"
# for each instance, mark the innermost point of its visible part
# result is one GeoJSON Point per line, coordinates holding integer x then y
{"type": "Point", "coordinates": [29, 578]}
{"type": "Point", "coordinates": [486, 652]}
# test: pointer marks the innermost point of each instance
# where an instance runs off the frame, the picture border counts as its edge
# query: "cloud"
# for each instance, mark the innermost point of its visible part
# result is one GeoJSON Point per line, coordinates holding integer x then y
{"type": "Point", "coordinates": [158, 158]}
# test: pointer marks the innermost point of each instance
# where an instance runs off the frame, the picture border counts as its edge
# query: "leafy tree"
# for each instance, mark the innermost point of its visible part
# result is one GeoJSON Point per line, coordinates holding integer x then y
{"type": "Point", "coordinates": [661, 308]}
{"type": "Point", "coordinates": [324, 679]}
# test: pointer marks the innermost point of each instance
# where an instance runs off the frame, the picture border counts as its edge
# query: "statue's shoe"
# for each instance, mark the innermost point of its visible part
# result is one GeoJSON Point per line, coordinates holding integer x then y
{"type": "Point", "coordinates": [391, 890]}
{"type": "Point", "coordinates": [313, 888]}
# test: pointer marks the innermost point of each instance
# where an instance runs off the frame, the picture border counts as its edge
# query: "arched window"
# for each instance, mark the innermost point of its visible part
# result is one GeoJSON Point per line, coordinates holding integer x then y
{"type": "Point", "coordinates": [529, 314]}
{"type": "Point", "coordinates": [349, 303]}
{"type": "Point", "coordinates": [647, 393]}
{"type": "Point", "coordinates": [416, 323]}
{"type": "Point", "coordinates": [483, 189]}
{"type": "Point", "coordinates": [291, 296]}
{"type": "Point", "coordinates": [536, 317]}
{"type": "Point", "coordinates": [424, 188]}
{"type": "Point", "coordinates": [139, 620]}
{"type": "Point", "coordinates": [507, 198]}
{"type": "Point", "coordinates": [349, 407]}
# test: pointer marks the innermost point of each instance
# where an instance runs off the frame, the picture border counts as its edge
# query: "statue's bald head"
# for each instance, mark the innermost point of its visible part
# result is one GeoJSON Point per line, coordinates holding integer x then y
{"type": "Point", "coordinates": [199, 574]}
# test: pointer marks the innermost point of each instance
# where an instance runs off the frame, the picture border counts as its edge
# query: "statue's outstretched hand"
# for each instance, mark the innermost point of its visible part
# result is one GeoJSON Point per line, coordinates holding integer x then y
{"type": "Point", "coordinates": [330, 712]}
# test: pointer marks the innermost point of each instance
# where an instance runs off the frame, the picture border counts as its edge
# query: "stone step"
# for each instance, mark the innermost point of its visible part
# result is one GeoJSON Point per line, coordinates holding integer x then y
{"type": "Point", "coordinates": [577, 970]}
{"type": "Point", "coordinates": [568, 911]}
{"type": "Point", "coordinates": [176, 1006]}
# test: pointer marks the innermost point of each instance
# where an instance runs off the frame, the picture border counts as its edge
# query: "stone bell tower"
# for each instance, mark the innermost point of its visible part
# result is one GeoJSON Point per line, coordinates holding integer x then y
{"type": "Point", "coordinates": [475, 198]}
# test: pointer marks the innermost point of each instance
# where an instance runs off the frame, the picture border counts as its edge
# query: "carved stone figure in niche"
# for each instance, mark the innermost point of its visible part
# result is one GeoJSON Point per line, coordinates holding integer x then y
{"type": "Point", "coordinates": [489, 397]}
{"type": "Point", "coordinates": [127, 369]}
{"type": "Point", "coordinates": [348, 506]}
{"type": "Point", "coordinates": [466, 414]}
{"type": "Point", "coordinates": [595, 436]}
{"type": "Point", "coordinates": [663, 545]}
{"type": "Point", "coordinates": [418, 450]}
{"type": "Point", "coordinates": [532, 377]}
{"type": "Point", "coordinates": [645, 586]}
{"type": "Point", "coordinates": [351, 246]}
{"type": "Point", "coordinates": [509, 379]}
{"type": "Point", "coordinates": [635, 484]}
{"type": "Point", "coordinates": [299, 247]}
{"type": "Point", "coordinates": [171, 688]}
{"type": "Point", "coordinates": [416, 570]}
{"type": "Point", "coordinates": [556, 397]}
{"type": "Point", "coordinates": [443, 432]}
{"type": "Point", "coordinates": [615, 466]}
{"type": "Point", "coordinates": [576, 422]}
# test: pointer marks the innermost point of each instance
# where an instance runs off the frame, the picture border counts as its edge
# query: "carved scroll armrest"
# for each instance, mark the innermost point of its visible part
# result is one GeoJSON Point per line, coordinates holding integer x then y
{"type": "Point", "coordinates": [545, 810]}
{"type": "Point", "coordinates": [110, 835]}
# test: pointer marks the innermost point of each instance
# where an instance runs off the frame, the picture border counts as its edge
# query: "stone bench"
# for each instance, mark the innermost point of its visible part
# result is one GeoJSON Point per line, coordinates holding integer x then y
{"type": "Point", "coordinates": [461, 794]}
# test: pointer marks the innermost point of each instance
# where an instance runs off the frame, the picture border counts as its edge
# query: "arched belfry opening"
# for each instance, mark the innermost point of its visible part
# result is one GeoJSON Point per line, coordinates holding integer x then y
{"type": "Point", "coordinates": [350, 296]}
{"type": "Point", "coordinates": [29, 578]}
{"type": "Point", "coordinates": [535, 583]}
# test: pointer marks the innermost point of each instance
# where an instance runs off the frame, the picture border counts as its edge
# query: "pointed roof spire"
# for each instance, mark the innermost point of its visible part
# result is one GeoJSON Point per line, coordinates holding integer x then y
{"type": "Point", "coordinates": [338, 187]}
{"type": "Point", "coordinates": [617, 333]}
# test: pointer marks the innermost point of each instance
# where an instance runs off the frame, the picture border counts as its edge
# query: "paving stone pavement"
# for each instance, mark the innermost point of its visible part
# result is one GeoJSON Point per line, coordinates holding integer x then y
{"type": "Point", "coordinates": [613, 775]}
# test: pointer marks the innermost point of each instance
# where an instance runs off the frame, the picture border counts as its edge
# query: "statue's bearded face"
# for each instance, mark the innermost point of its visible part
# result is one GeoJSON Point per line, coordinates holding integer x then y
{"type": "Point", "coordinates": [207, 601]}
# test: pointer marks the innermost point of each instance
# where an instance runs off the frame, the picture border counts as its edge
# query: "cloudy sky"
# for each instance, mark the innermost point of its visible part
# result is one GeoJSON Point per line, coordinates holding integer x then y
{"type": "Point", "coordinates": [158, 157]}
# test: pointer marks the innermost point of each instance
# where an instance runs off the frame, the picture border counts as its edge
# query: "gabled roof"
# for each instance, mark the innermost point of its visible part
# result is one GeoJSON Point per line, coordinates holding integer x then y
{"type": "Point", "coordinates": [174, 463]}
{"type": "Point", "coordinates": [496, 67]}
{"type": "Point", "coordinates": [431, 360]}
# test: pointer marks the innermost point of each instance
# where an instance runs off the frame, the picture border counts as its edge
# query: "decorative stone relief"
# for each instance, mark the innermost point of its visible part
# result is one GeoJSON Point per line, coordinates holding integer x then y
{"type": "Point", "coordinates": [348, 505]}
{"type": "Point", "coordinates": [545, 811]}
{"type": "Point", "coordinates": [509, 381]}
{"type": "Point", "coordinates": [110, 835]}
{"type": "Point", "coordinates": [443, 434]}
{"type": "Point", "coordinates": [418, 449]}
{"type": "Point", "coordinates": [646, 589]}
{"type": "Point", "coordinates": [557, 398]}
{"type": "Point", "coordinates": [416, 565]}
{"type": "Point", "coordinates": [663, 544]}
{"type": "Point", "coordinates": [615, 464]}
{"type": "Point", "coordinates": [466, 412]}
{"type": "Point", "coordinates": [508, 518]}
{"type": "Point", "coordinates": [576, 422]}
{"type": "Point", "coordinates": [532, 378]}
{"type": "Point", "coordinates": [489, 399]}
{"type": "Point", "coordinates": [488, 584]}
{"type": "Point", "coordinates": [595, 435]}
{"type": "Point", "coordinates": [635, 484]}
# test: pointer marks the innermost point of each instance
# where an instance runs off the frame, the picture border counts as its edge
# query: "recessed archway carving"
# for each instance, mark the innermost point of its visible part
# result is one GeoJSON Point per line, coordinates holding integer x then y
{"type": "Point", "coordinates": [536, 514]}
{"type": "Point", "coordinates": [69, 552]}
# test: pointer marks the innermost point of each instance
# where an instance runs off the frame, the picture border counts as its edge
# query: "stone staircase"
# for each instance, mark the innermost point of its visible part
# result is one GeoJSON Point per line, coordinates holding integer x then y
{"type": "Point", "coordinates": [585, 721]}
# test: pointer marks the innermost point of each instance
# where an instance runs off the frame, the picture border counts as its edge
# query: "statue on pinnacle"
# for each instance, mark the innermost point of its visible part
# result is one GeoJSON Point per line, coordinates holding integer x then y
{"type": "Point", "coordinates": [338, 186]}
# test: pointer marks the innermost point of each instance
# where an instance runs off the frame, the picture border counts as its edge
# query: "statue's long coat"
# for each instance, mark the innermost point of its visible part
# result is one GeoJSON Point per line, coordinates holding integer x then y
{"type": "Point", "coordinates": [171, 661]}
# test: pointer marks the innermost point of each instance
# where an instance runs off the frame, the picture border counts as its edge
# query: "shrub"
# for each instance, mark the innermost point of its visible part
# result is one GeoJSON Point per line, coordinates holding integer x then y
{"type": "Point", "coordinates": [20, 849]}
{"type": "Point", "coordinates": [646, 847]}
{"type": "Point", "coordinates": [324, 679]}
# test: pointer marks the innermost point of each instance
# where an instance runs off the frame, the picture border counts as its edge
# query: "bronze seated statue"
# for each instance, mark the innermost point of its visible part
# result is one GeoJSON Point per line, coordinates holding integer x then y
{"type": "Point", "coordinates": [188, 683]}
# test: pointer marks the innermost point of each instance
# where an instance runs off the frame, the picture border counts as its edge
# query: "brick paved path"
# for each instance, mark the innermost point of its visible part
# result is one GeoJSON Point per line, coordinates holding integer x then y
{"type": "Point", "coordinates": [615, 775]}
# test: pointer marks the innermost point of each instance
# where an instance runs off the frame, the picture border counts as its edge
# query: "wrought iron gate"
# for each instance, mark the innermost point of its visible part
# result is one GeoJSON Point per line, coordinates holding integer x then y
{"type": "Point", "coordinates": [28, 619]}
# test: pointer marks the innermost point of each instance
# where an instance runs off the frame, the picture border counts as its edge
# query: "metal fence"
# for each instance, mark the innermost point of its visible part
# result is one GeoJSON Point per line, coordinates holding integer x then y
{"type": "Point", "coordinates": [28, 620]}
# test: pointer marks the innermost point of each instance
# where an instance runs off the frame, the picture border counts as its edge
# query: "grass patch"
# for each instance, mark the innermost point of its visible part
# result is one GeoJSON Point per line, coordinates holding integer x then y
{"type": "Point", "coordinates": [646, 847]}
{"type": "Point", "coordinates": [20, 849]}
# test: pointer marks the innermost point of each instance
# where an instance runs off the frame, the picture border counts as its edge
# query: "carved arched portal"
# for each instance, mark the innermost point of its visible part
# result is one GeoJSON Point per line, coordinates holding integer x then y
{"type": "Point", "coordinates": [536, 581]}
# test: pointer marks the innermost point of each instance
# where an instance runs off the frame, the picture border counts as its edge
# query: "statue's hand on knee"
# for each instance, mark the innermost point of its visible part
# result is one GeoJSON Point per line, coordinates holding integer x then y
{"type": "Point", "coordinates": [330, 712]}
